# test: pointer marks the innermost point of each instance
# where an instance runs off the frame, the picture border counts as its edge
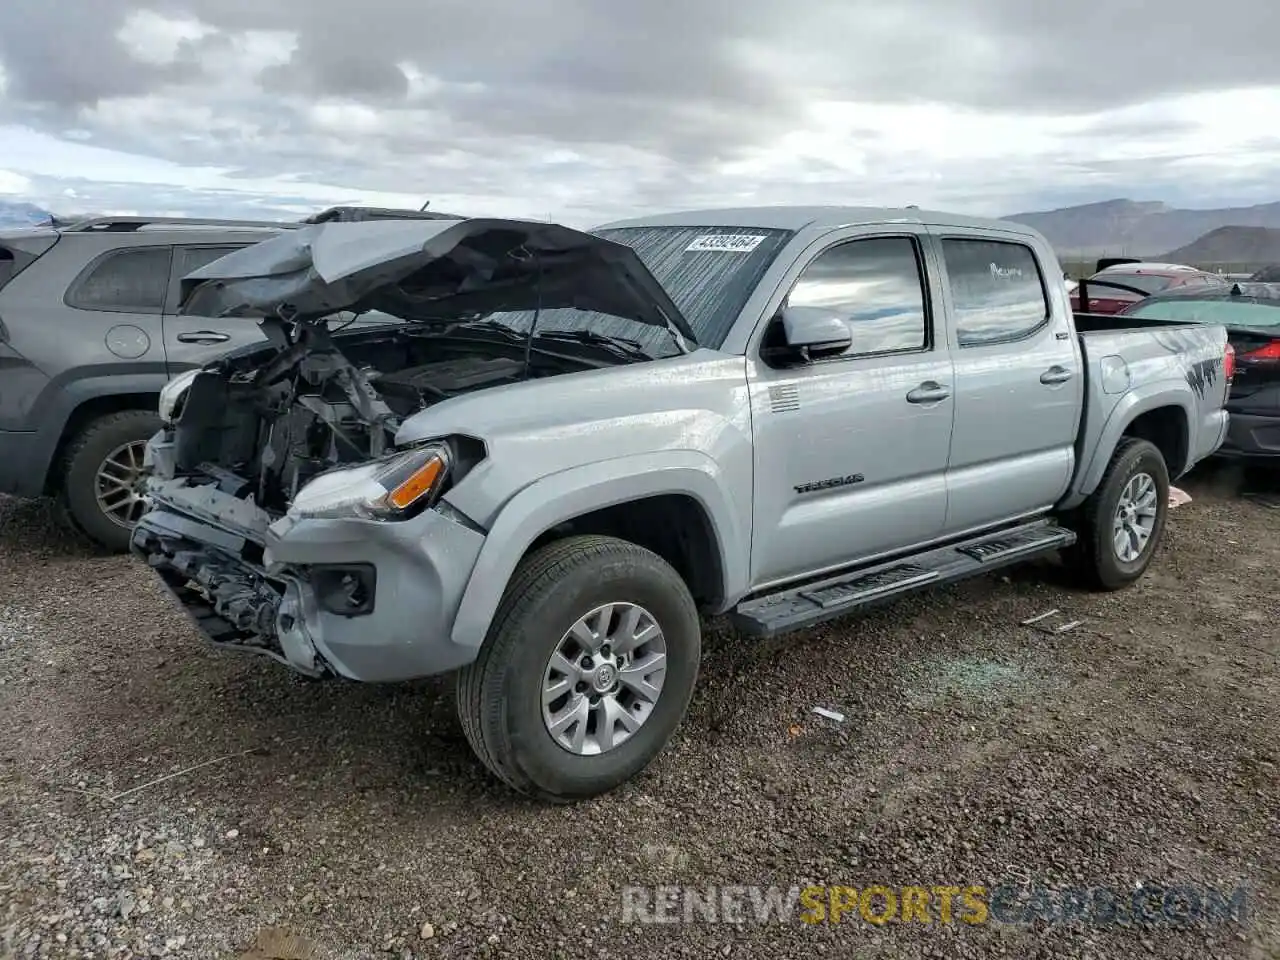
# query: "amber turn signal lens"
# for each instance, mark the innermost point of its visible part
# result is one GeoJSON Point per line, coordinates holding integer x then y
{"type": "Point", "coordinates": [418, 485]}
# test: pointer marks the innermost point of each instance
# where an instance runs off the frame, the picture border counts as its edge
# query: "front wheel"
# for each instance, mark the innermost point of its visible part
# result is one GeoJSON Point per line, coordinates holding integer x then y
{"type": "Point", "coordinates": [587, 669]}
{"type": "Point", "coordinates": [1122, 521]}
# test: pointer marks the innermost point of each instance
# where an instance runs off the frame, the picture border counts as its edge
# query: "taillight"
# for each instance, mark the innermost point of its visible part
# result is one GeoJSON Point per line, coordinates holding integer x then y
{"type": "Point", "coordinates": [1229, 362]}
{"type": "Point", "coordinates": [1270, 352]}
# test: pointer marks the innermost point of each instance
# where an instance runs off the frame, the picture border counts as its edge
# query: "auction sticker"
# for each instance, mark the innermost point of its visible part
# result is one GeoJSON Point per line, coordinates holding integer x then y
{"type": "Point", "coordinates": [725, 243]}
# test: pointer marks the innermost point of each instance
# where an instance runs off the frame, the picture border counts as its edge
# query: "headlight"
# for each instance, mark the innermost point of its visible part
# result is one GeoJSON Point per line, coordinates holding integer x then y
{"type": "Point", "coordinates": [173, 391]}
{"type": "Point", "coordinates": [392, 488]}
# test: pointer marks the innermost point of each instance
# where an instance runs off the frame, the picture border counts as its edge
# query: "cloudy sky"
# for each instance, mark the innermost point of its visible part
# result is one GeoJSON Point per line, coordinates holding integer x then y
{"type": "Point", "coordinates": [582, 110]}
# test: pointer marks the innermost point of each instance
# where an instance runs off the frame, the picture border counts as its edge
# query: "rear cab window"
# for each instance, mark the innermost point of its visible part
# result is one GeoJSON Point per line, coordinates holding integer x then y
{"type": "Point", "coordinates": [128, 280]}
{"type": "Point", "coordinates": [998, 292]}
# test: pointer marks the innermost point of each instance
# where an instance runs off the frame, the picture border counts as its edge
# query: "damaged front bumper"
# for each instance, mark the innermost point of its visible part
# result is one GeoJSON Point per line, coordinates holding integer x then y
{"type": "Point", "coordinates": [361, 599]}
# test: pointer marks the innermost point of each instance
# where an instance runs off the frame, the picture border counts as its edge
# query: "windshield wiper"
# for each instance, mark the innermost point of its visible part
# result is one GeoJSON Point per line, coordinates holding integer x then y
{"type": "Point", "coordinates": [624, 346]}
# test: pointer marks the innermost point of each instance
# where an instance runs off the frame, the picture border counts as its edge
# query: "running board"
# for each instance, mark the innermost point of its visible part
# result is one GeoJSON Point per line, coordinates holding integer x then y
{"type": "Point", "coordinates": [795, 608]}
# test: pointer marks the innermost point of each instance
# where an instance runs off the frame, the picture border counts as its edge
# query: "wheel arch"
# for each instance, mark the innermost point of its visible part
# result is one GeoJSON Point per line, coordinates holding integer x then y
{"type": "Point", "coordinates": [673, 503]}
{"type": "Point", "coordinates": [92, 408]}
{"type": "Point", "coordinates": [1161, 413]}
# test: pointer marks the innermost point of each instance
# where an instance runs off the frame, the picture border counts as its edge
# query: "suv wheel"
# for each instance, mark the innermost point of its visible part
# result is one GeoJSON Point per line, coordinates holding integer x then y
{"type": "Point", "coordinates": [102, 471]}
{"type": "Point", "coordinates": [587, 669]}
{"type": "Point", "coordinates": [1121, 523]}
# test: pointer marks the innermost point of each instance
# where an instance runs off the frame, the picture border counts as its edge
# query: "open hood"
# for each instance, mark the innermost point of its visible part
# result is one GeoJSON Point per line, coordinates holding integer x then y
{"type": "Point", "coordinates": [425, 271]}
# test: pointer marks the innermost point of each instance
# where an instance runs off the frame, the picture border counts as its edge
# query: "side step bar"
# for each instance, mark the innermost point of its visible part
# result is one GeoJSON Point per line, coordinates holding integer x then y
{"type": "Point", "coordinates": [794, 608]}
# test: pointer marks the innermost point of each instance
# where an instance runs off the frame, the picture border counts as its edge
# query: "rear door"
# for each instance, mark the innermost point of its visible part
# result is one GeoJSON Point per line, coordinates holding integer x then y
{"type": "Point", "coordinates": [1019, 385]}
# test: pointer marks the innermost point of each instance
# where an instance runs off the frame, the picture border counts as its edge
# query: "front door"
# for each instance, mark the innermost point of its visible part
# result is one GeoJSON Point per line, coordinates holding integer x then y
{"type": "Point", "coordinates": [1019, 385]}
{"type": "Point", "coordinates": [194, 341]}
{"type": "Point", "coordinates": [851, 451]}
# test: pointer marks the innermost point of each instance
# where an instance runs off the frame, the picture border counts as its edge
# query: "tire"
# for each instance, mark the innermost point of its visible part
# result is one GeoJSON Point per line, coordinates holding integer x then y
{"type": "Point", "coordinates": [1094, 557]}
{"type": "Point", "coordinates": [499, 696]}
{"type": "Point", "coordinates": [86, 455]}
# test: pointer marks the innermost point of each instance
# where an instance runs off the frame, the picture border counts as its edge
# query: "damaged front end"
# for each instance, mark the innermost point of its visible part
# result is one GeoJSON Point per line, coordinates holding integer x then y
{"type": "Point", "coordinates": [219, 577]}
{"type": "Point", "coordinates": [285, 517]}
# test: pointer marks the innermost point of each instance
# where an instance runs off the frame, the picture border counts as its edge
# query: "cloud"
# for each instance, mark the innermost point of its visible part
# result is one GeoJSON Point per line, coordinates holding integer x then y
{"type": "Point", "coordinates": [585, 110]}
{"type": "Point", "coordinates": [14, 183]}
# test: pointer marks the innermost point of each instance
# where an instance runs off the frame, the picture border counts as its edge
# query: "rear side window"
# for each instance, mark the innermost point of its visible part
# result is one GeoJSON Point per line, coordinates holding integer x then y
{"type": "Point", "coordinates": [877, 286]}
{"type": "Point", "coordinates": [997, 291]}
{"type": "Point", "coordinates": [133, 280]}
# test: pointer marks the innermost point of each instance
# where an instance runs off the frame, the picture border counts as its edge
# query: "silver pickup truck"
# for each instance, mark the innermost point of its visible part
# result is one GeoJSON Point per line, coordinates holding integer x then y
{"type": "Point", "coordinates": [571, 444]}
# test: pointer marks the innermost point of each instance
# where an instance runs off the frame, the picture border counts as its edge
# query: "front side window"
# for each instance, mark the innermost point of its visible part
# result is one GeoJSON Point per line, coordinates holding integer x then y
{"type": "Point", "coordinates": [997, 293]}
{"type": "Point", "coordinates": [126, 281]}
{"type": "Point", "coordinates": [876, 286]}
{"type": "Point", "coordinates": [193, 258]}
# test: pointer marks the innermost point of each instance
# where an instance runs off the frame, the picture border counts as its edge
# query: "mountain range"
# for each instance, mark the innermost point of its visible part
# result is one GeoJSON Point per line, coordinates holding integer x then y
{"type": "Point", "coordinates": [1150, 228]}
{"type": "Point", "coordinates": [1230, 235]}
{"type": "Point", "coordinates": [21, 214]}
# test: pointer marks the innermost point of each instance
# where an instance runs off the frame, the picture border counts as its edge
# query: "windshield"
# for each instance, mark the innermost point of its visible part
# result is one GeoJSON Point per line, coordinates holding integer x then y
{"type": "Point", "coordinates": [708, 271]}
{"type": "Point", "coordinates": [1146, 282]}
{"type": "Point", "coordinates": [1231, 313]}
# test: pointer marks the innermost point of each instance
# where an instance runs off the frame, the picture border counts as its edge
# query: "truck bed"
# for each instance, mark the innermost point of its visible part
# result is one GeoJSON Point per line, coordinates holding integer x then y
{"type": "Point", "coordinates": [1114, 322]}
{"type": "Point", "coordinates": [1127, 360]}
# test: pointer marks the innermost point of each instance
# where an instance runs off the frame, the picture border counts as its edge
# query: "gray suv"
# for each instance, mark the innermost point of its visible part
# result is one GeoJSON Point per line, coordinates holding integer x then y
{"type": "Point", "coordinates": [89, 333]}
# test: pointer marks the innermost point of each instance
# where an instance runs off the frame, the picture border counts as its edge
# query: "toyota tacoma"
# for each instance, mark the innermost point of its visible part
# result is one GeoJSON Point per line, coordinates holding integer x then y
{"type": "Point", "coordinates": [570, 445]}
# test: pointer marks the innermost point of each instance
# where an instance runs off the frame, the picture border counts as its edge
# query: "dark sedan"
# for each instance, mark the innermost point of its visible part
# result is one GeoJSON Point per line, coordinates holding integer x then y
{"type": "Point", "coordinates": [1251, 314]}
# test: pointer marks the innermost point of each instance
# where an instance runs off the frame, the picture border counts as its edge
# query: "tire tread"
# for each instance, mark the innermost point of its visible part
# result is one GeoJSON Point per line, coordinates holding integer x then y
{"type": "Point", "coordinates": [75, 450]}
{"type": "Point", "coordinates": [480, 707]}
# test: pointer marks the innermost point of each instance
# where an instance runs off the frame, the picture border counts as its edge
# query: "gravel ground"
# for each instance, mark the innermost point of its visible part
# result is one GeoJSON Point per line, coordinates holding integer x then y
{"type": "Point", "coordinates": [346, 822]}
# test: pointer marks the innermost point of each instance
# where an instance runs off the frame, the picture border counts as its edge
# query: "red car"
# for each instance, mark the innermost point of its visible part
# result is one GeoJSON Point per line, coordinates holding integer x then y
{"type": "Point", "coordinates": [1136, 281]}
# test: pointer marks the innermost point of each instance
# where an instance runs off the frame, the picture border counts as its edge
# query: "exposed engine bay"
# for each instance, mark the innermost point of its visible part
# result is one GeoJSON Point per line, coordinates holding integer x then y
{"type": "Point", "coordinates": [264, 428]}
{"type": "Point", "coordinates": [277, 491]}
{"type": "Point", "coordinates": [251, 431]}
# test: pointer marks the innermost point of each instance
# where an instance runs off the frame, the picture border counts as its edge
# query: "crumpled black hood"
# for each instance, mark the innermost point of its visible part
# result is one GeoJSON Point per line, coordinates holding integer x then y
{"type": "Point", "coordinates": [425, 271]}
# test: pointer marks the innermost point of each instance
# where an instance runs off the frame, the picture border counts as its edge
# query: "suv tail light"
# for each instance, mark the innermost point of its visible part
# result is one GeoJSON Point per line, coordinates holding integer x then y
{"type": "Point", "coordinates": [1229, 363]}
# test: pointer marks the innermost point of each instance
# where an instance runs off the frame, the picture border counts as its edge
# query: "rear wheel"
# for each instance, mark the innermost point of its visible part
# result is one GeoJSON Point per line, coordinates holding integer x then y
{"type": "Point", "coordinates": [1121, 523]}
{"type": "Point", "coordinates": [586, 672]}
{"type": "Point", "coordinates": [102, 475]}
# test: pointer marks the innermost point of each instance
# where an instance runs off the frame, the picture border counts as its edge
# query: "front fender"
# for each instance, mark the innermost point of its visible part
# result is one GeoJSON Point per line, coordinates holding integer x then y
{"type": "Point", "coordinates": [562, 496]}
{"type": "Point", "coordinates": [1140, 400]}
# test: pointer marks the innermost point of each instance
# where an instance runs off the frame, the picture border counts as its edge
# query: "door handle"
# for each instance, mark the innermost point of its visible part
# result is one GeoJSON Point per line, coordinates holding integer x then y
{"type": "Point", "coordinates": [204, 336]}
{"type": "Point", "coordinates": [928, 392]}
{"type": "Point", "coordinates": [1055, 374]}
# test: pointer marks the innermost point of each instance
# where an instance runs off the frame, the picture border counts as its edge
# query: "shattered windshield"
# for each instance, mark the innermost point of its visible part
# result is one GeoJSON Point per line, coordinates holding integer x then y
{"type": "Point", "coordinates": [708, 271]}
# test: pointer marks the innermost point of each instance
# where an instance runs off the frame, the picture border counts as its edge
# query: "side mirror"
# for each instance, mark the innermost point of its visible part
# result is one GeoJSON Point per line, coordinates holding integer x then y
{"type": "Point", "coordinates": [811, 332]}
